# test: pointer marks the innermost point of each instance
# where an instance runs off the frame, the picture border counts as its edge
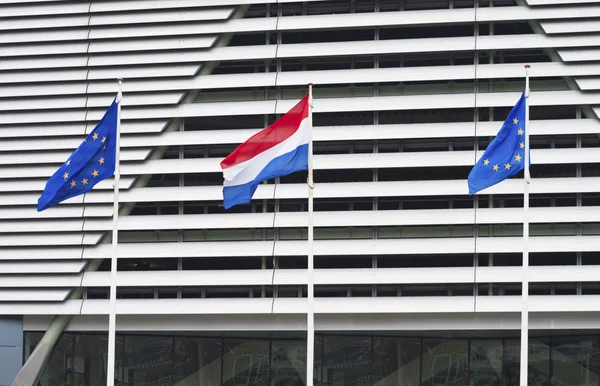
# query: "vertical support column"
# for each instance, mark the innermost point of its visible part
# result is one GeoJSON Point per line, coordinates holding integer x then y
{"type": "Point", "coordinates": [11, 348]}
{"type": "Point", "coordinates": [180, 210]}
{"type": "Point", "coordinates": [475, 149]}
{"type": "Point", "coordinates": [579, 199]}
{"type": "Point", "coordinates": [491, 119]}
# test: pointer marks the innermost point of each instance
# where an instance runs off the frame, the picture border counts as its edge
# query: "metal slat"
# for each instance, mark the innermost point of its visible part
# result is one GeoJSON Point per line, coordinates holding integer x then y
{"type": "Point", "coordinates": [53, 157]}
{"type": "Point", "coordinates": [382, 103]}
{"type": "Point", "coordinates": [51, 131]}
{"type": "Point", "coordinates": [99, 47]}
{"type": "Point", "coordinates": [33, 295]}
{"type": "Point", "coordinates": [422, 217]}
{"type": "Point", "coordinates": [40, 267]}
{"type": "Point", "coordinates": [82, 102]}
{"type": "Point", "coordinates": [321, 133]}
{"type": "Point", "coordinates": [397, 46]}
{"type": "Point", "coordinates": [345, 276]}
{"type": "Point", "coordinates": [300, 78]}
{"type": "Point", "coordinates": [323, 162]}
{"type": "Point", "coordinates": [341, 306]}
{"type": "Point", "coordinates": [297, 191]}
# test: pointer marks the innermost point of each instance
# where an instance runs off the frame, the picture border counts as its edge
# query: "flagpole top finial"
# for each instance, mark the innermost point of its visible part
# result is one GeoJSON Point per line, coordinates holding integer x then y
{"type": "Point", "coordinates": [310, 84]}
{"type": "Point", "coordinates": [527, 66]}
{"type": "Point", "coordinates": [120, 79]}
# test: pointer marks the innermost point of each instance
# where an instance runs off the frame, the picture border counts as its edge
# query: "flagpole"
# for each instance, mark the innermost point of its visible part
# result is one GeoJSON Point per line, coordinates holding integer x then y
{"type": "Point", "coordinates": [310, 325]}
{"type": "Point", "coordinates": [525, 279]}
{"type": "Point", "coordinates": [112, 317]}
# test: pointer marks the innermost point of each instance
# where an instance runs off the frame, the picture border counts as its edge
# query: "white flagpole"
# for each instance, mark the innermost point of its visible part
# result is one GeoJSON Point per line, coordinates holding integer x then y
{"type": "Point", "coordinates": [112, 318]}
{"type": "Point", "coordinates": [525, 280]}
{"type": "Point", "coordinates": [310, 325]}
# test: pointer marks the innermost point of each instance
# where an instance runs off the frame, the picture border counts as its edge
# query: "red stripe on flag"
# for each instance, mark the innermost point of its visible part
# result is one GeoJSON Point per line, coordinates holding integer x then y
{"type": "Point", "coordinates": [273, 135]}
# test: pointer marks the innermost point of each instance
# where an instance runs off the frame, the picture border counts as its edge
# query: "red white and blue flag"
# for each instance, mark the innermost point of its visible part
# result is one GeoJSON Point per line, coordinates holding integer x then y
{"type": "Point", "coordinates": [276, 151]}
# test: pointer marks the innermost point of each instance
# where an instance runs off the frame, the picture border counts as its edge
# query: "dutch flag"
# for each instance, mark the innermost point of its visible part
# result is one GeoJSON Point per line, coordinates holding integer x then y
{"type": "Point", "coordinates": [276, 151]}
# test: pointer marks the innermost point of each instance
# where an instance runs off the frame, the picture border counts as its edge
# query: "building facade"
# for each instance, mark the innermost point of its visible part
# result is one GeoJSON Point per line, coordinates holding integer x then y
{"type": "Point", "coordinates": [416, 282]}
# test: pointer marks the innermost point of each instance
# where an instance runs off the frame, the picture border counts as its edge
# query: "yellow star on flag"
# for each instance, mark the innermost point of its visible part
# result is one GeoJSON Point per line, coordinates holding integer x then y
{"type": "Point", "coordinates": [522, 145]}
{"type": "Point", "coordinates": [518, 158]}
{"type": "Point", "coordinates": [507, 166]}
{"type": "Point", "coordinates": [73, 183]}
{"type": "Point", "coordinates": [520, 132]}
{"type": "Point", "coordinates": [95, 173]}
{"type": "Point", "coordinates": [101, 160]}
{"type": "Point", "coordinates": [496, 168]}
{"type": "Point", "coordinates": [486, 162]}
{"type": "Point", "coordinates": [68, 162]}
{"type": "Point", "coordinates": [515, 121]}
{"type": "Point", "coordinates": [103, 139]}
{"type": "Point", "coordinates": [66, 175]}
{"type": "Point", "coordinates": [95, 136]}
{"type": "Point", "coordinates": [84, 181]}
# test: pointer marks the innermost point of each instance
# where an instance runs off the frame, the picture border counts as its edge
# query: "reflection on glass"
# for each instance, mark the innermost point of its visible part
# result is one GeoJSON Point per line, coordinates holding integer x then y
{"type": "Point", "coordinates": [148, 360]}
{"type": "Point", "coordinates": [288, 363]}
{"type": "Point", "coordinates": [576, 361]}
{"type": "Point", "coordinates": [539, 362]}
{"type": "Point", "coordinates": [31, 341]}
{"type": "Point", "coordinates": [485, 368]}
{"type": "Point", "coordinates": [80, 360]}
{"type": "Point", "coordinates": [89, 360]}
{"type": "Point", "coordinates": [445, 362]}
{"type": "Point", "coordinates": [510, 362]}
{"type": "Point", "coordinates": [197, 362]}
{"type": "Point", "coordinates": [318, 360]}
{"type": "Point", "coordinates": [246, 362]}
{"type": "Point", "coordinates": [396, 361]}
{"type": "Point", "coordinates": [57, 370]}
{"type": "Point", "coordinates": [347, 361]}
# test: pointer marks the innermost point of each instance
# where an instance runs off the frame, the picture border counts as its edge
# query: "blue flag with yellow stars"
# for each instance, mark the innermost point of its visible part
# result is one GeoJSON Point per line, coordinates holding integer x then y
{"type": "Point", "coordinates": [505, 155]}
{"type": "Point", "coordinates": [92, 162]}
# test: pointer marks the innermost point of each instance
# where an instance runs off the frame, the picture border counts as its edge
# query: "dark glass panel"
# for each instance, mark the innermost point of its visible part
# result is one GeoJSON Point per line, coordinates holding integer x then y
{"type": "Point", "coordinates": [539, 362]}
{"type": "Point", "coordinates": [485, 367]}
{"type": "Point", "coordinates": [288, 362]}
{"type": "Point", "coordinates": [89, 362]}
{"type": "Point", "coordinates": [58, 370]}
{"type": "Point", "coordinates": [148, 360]}
{"type": "Point", "coordinates": [575, 360]}
{"type": "Point", "coordinates": [396, 361]}
{"type": "Point", "coordinates": [197, 361]}
{"type": "Point", "coordinates": [445, 362]}
{"type": "Point", "coordinates": [347, 360]}
{"type": "Point", "coordinates": [245, 362]}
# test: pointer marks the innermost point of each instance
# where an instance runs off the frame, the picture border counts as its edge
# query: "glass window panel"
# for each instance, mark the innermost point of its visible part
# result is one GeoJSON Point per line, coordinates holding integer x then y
{"type": "Point", "coordinates": [148, 360]}
{"type": "Point", "coordinates": [31, 341]}
{"type": "Point", "coordinates": [347, 360]}
{"type": "Point", "coordinates": [197, 361]}
{"type": "Point", "coordinates": [245, 362]}
{"type": "Point", "coordinates": [89, 361]}
{"type": "Point", "coordinates": [575, 361]}
{"type": "Point", "coordinates": [510, 362]}
{"type": "Point", "coordinates": [445, 362]}
{"type": "Point", "coordinates": [58, 369]}
{"type": "Point", "coordinates": [318, 376]}
{"type": "Point", "coordinates": [396, 361]}
{"type": "Point", "coordinates": [485, 367]}
{"type": "Point", "coordinates": [539, 362]}
{"type": "Point", "coordinates": [288, 363]}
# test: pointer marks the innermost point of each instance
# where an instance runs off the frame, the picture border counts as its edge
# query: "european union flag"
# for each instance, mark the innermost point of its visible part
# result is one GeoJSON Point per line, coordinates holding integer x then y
{"type": "Point", "coordinates": [505, 155]}
{"type": "Point", "coordinates": [92, 162]}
